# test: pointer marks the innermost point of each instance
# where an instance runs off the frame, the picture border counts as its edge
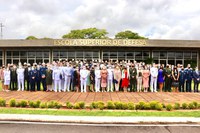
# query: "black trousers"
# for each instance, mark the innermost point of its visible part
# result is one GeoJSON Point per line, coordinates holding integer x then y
{"type": "Point", "coordinates": [44, 85]}
{"type": "Point", "coordinates": [168, 84]}
{"type": "Point", "coordinates": [26, 84]}
{"type": "Point", "coordinates": [133, 85]}
{"type": "Point", "coordinates": [196, 86]}
{"type": "Point", "coordinates": [188, 86]}
{"type": "Point", "coordinates": [32, 83]}
{"type": "Point", "coordinates": [38, 85]}
{"type": "Point", "coordinates": [13, 85]}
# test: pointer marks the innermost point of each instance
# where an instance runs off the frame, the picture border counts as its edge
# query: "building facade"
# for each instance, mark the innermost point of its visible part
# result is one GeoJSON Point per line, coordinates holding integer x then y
{"type": "Point", "coordinates": [162, 51]}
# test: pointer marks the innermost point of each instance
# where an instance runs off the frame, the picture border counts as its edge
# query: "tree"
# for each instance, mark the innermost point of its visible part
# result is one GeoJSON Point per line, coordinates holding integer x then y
{"type": "Point", "coordinates": [89, 33]}
{"type": "Point", "coordinates": [31, 38]}
{"type": "Point", "coordinates": [128, 35]}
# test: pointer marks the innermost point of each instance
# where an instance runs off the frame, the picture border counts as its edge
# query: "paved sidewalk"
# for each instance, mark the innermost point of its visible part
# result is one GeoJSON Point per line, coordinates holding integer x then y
{"type": "Point", "coordinates": [99, 120]}
{"type": "Point", "coordinates": [89, 97]}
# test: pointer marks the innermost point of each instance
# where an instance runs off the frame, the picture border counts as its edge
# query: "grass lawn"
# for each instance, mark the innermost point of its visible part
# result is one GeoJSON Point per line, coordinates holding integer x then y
{"type": "Point", "coordinates": [192, 113]}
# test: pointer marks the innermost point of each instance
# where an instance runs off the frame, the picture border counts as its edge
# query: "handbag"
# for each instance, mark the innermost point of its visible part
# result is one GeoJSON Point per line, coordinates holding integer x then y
{"type": "Point", "coordinates": [60, 76]}
{"type": "Point", "coordinates": [115, 81]}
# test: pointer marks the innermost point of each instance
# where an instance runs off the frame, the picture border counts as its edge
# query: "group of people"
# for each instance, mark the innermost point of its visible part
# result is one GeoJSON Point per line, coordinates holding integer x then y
{"type": "Point", "coordinates": [83, 76]}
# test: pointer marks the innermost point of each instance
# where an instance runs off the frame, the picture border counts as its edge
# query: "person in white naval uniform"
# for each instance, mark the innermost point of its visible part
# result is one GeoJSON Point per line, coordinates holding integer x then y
{"type": "Point", "coordinates": [57, 77]}
{"type": "Point", "coordinates": [20, 78]}
{"type": "Point", "coordinates": [6, 78]}
{"type": "Point", "coordinates": [83, 78]}
{"type": "Point", "coordinates": [97, 73]}
{"type": "Point", "coordinates": [110, 79]}
{"type": "Point", "coordinates": [67, 76]}
{"type": "Point", "coordinates": [154, 75]}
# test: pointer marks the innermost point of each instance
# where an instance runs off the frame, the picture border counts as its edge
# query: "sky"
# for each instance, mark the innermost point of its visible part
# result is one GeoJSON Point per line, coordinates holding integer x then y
{"type": "Point", "coordinates": [155, 19]}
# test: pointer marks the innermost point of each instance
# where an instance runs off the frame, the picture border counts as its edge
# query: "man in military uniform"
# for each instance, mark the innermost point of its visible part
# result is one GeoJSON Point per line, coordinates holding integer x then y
{"type": "Point", "coordinates": [189, 73]}
{"type": "Point", "coordinates": [133, 79]}
{"type": "Point", "coordinates": [182, 76]}
{"type": "Point", "coordinates": [13, 76]}
{"type": "Point", "coordinates": [196, 76]}
{"type": "Point", "coordinates": [38, 76]}
{"type": "Point", "coordinates": [43, 76]}
{"type": "Point", "coordinates": [32, 78]}
{"type": "Point", "coordinates": [168, 75]}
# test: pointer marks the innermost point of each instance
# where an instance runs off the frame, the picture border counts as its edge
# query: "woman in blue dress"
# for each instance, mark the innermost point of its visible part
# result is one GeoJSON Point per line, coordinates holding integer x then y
{"type": "Point", "coordinates": [161, 78]}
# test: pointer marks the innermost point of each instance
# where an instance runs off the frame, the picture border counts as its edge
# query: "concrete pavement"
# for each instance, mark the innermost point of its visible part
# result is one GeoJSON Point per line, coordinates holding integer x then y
{"type": "Point", "coordinates": [99, 119]}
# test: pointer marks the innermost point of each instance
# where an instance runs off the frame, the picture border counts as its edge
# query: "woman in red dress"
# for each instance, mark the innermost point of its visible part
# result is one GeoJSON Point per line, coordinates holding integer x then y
{"type": "Point", "coordinates": [125, 80]}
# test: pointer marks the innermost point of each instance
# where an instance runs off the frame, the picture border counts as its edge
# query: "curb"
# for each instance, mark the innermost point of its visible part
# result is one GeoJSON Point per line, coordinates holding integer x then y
{"type": "Point", "coordinates": [99, 120]}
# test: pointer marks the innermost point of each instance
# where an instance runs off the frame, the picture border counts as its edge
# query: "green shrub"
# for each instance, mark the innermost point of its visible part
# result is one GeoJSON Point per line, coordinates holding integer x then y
{"type": "Point", "coordinates": [51, 104]}
{"type": "Point", "coordinates": [184, 106]}
{"type": "Point", "coordinates": [191, 106]}
{"type": "Point", "coordinates": [195, 105]}
{"type": "Point", "coordinates": [23, 103]}
{"type": "Point", "coordinates": [12, 102]}
{"type": "Point", "coordinates": [118, 105]}
{"type": "Point", "coordinates": [76, 106]}
{"type": "Point", "coordinates": [147, 106]}
{"type": "Point", "coordinates": [37, 104]}
{"type": "Point", "coordinates": [141, 105]}
{"type": "Point", "coordinates": [124, 106]}
{"type": "Point", "coordinates": [153, 104]}
{"type": "Point", "coordinates": [198, 106]}
{"type": "Point", "coordinates": [159, 107]}
{"type": "Point", "coordinates": [131, 106]}
{"type": "Point", "coordinates": [58, 105]}
{"type": "Point", "coordinates": [82, 105]}
{"type": "Point", "coordinates": [43, 105]}
{"type": "Point", "coordinates": [110, 105]}
{"type": "Point", "coordinates": [94, 105]}
{"type": "Point", "coordinates": [69, 105]}
{"type": "Point", "coordinates": [30, 103]}
{"type": "Point", "coordinates": [164, 106]}
{"type": "Point", "coordinates": [137, 106]}
{"type": "Point", "coordinates": [177, 106]}
{"type": "Point", "coordinates": [18, 104]}
{"type": "Point", "coordinates": [100, 105]}
{"type": "Point", "coordinates": [2, 102]}
{"type": "Point", "coordinates": [169, 107]}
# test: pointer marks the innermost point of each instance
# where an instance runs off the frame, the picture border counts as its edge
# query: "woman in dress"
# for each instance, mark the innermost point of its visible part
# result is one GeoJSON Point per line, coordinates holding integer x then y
{"type": "Point", "coordinates": [88, 79]}
{"type": "Point", "coordinates": [2, 77]}
{"type": "Point", "coordinates": [6, 78]}
{"type": "Point", "coordinates": [161, 78]}
{"type": "Point", "coordinates": [104, 75]}
{"type": "Point", "coordinates": [117, 77]}
{"type": "Point", "coordinates": [145, 78]}
{"type": "Point", "coordinates": [125, 81]}
{"type": "Point", "coordinates": [139, 79]}
{"type": "Point", "coordinates": [175, 79]}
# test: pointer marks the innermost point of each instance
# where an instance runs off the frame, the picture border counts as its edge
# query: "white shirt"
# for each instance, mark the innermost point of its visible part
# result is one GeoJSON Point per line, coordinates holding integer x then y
{"type": "Point", "coordinates": [97, 73]}
{"type": "Point", "coordinates": [110, 74]}
{"type": "Point", "coordinates": [56, 74]}
{"type": "Point", "coordinates": [6, 74]}
{"type": "Point", "coordinates": [20, 73]}
{"type": "Point", "coordinates": [154, 72]}
{"type": "Point", "coordinates": [83, 73]}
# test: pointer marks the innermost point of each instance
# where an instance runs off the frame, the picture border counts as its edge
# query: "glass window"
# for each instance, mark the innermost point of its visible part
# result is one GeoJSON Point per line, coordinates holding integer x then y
{"type": "Point", "coordinates": [121, 54]}
{"type": "Point", "coordinates": [63, 54]}
{"type": "Point", "coordinates": [179, 55]}
{"type": "Point", "coordinates": [31, 61]}
{"type": "Point", "coordinates": [23, 54]}
{"type": "Point", "coordinates": [8, 53]}
{"type": "Point", "coordinates": [46, 60]}
{"type": "Point", "coordinates": [163, 55]}
{"type": "Point", "coordinates": [16, 61]}
{"type": "Point", "coordinates": [171, 55]}
{"type": "Point", "coordinates": [23, 61]}
{"type": "Point", "coordinates": [95, 54]}
{"type": "Point", "coordinates": [146, 54]}
{"type": "Point", "coordinates": [187, 55]}
{"type": "Point", "coordinates": [46, 54]}
{"type": "Point", "coordinates": [1, 54]}
{"type": "Point", "coordinates": [39, 61]}
{"type": "Point", "coordinates": [8, 61]}
{"type": "Point", "coordinates": [79, 54]}
{"type": "Point", "coordinates": [56, 54]}
{"type": "Point", "coordinates": [88, 54]}
{"type": "Point", "coordinates": [31, 54]}
{"type": "Point", "coordinates": [106, 54]}
{"type": "Point", "coordinates": [172, 62]}
{"type": "Point", "coordinates": [194, 55]}
{"type": "Point", "coordinates": [130, 55]}
{"type": "Point", "coordinates": [16, 54]}
{"type": "Point", "coordinates": [39, 54]}
{"type": "Point", "coordinates": [156, 54]}
{"type": "Point", "coordinates": [71, 55]}
{"type": "Point", "coordinates": [113, 55]}
{"type": "Point", "coordinates": [138, 55]}
{"type": "Point", "coordinates": [1, 62]}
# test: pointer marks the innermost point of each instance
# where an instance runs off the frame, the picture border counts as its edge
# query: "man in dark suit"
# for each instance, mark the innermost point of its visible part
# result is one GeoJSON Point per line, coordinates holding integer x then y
{"type": "Point", "coordinates": [168, 76]}
{"type": "Point", "coordinates": [196, 77]}
{"type": "Point", "coordinates": [13, 76]}
{"type": "Point", "coordinates": [182, 76]}
{"type": "Point", "coordinates": [133, 78]}
{"type": "Point", "coordinates": [189, 74]}
{"type": "Point", "coordinates": [26, 76]}
{"type": "Point", "coordinates": [43, 76]}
